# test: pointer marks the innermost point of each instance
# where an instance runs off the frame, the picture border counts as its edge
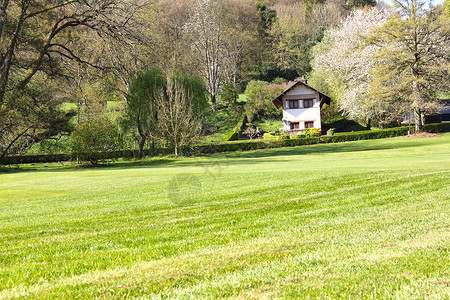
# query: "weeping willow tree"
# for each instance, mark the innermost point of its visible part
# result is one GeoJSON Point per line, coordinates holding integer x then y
{"type": "Point", "coordinates": [141, 117]}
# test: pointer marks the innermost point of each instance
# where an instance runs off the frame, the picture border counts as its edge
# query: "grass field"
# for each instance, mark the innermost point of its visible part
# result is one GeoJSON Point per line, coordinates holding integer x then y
{"type": "Point", "coordinates": [366, 219]}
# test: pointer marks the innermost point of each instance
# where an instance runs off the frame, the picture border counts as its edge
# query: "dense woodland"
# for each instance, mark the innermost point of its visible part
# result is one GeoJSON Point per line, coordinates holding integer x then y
{"type": "Point", "coordinates": [162, 59]}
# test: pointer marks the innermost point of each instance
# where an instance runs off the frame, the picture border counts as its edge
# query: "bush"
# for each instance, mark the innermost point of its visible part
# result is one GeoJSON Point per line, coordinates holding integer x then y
{"type": "Point", "coordinates": [295, 140]}
{"type": "Point", "coordinates": [330, 132]}
{"type": "Point", "coordinates": [313, 132]}
{"type": "Point", "coordinates": [269, 136]}
{"type": "Point", "coordinates": [301, 135]}
{"type": "Point", "coordinates": [283, 137]}
{"type": "Point", "coordinates": [259, 100]}
{"type": "Point", "coordinates": [94, 140]}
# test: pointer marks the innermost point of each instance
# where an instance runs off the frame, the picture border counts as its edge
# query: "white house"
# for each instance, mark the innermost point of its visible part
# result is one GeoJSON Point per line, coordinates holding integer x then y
{"type": "Point", "coordinates": [301, 107]}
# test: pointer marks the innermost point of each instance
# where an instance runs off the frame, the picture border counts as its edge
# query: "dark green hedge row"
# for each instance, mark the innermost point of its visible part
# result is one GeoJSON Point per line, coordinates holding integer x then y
{"type": "Point", "coordinates": [341, 137]}
{"type": "Point", "coordinates": [365, 135]}
{"type": "Point", "coordinates": [243, 145]}
{"type": "Point", "coordinates": [41, 158]}
{"type": "Point", "coordinates": [253, 145]}
{"type": "Point", "coordinates": [437, 127]}
{"type": "Point", "coordinates": [38, 158]}
{"type": "Point", "coordinates": [235, 133]}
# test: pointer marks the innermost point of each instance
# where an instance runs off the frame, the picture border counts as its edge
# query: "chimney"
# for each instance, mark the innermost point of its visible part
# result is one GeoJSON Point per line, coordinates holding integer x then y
{"type": "Point", "coordinates": [303, 79]}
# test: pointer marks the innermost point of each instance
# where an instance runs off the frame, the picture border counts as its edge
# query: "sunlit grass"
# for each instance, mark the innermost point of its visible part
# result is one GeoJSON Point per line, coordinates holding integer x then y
{"type": "Point", "coordinates": [366, 219]}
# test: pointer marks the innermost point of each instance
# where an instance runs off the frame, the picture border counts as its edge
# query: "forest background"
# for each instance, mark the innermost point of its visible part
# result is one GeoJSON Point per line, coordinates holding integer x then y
{"type": "Point", "coordinates": [85, 54]}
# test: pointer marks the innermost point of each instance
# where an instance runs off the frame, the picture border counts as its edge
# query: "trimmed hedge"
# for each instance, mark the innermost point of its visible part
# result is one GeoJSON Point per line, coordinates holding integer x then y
{"type": "Point", "coordinates": [245, 145]}
{"type": "Point", "coordinates": [38, 158]}
{"type": "Point", "coordinates": [365, 135]}
{"type": "Point", "coordinates": [235, 133]}
{"type": "Point", "coordinates": [437, 127]}
{"type": "Point", "coordinates": [59, 157]}
{"type": "Point", "coordinates": [253, 145]}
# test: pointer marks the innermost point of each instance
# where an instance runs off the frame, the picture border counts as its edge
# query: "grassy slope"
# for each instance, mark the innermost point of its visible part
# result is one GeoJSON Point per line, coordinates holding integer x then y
{"type": "Point", "coordinates": [225, 119]}
{"type": "Point", "coordinates": [360, 219]}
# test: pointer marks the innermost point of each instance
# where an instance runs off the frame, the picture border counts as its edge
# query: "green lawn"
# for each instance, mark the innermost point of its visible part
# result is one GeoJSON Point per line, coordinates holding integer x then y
{"type": "Point", "coordinates": [366, 219]}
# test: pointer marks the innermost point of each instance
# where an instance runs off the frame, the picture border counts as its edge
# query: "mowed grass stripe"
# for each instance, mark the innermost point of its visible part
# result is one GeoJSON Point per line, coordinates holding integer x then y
{"type": "Point", "coordinates": [259, 224]}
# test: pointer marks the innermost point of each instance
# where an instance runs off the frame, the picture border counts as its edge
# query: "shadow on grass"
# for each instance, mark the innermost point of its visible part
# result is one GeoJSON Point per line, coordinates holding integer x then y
{"type": "Point", "coordinates": [233, 158]}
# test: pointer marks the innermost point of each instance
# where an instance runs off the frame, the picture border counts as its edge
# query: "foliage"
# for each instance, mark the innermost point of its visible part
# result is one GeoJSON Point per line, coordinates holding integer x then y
{"type": "Point", "coordinates": [351, 4]}
{"type": "Point", "coordinates": [312, 132]}
{"type": "Point", "coordinates": [330, 132]}
{"type": "Point", "coordinates": [283, 137]}
{"type": "Point", "coordinates": [218, 123]}
{"type": "Point", "coordinates": [92, 140]}
{"type": "Point", "coordinates": [50, 43]}
{"type": "Point", "coordinates": [269, 125]}
{"type": "Point", "coordinates": [259, 100]}
{"type": "Point", "coordinates": [446, 7]}
{"type": "Point", "coordinates": [345, 61]}
{"type": "Point", "coordinates": [251, 132]}
{"type": "Point", "coordinates": [140, 115]}
{"type": "Point", "coordinates": [412, 71]}
{"type": "Point", "coordinates": [267, 17]}
{"type": "Point", "coordinates": [342, 125]}
{"type": "Point", "coordinates": [29, 116]}
{"type": "Point", "coordinates": [229, 94]}
{"type": "Point", "coordinates": [217, 35]}
{"type": "Point", "coordinates": [242, 145]}
{"type": "Point", "coordinates": [365, 135]}
{"type": "Point", "coordinates": [181, 105]}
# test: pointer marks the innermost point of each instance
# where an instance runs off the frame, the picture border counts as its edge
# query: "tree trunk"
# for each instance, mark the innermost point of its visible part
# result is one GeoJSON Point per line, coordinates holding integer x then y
{"type": "Point", "coordinates": [213, 101]}
{"type": "Point", "coordinates": [152, 148]}
{"type": "Point", "coordinates": [3, 154]}
{"type": "Point", "coordinates": [176, 151]}
{"type": "Point", "coordinates": [418, 119]}
{"type": "Point", "coordinates": [141, 147]}
{"type": "Point", "coordinates": [368, 123]}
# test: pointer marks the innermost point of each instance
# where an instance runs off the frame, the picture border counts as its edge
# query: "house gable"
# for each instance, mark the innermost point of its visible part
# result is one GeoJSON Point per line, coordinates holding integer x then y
{"type": "Point", "coordinates": [300, 88]}
{"type": "Point", "coordinates": [301, 107]}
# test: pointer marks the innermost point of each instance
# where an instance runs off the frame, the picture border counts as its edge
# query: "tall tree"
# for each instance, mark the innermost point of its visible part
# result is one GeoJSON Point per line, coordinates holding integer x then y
{"type": "Point", "coordinates": [141, 108]}
{"type": "Point", "coordinates": [346, 62]}
{"type": "Point", "coordinates": [32, 115]}
{"type": "Point", "coordinates": [181, 107]}
{"type": "Point", "coordinates": [414, 56]}
{"type": "Point", "coordinates": [39, 38]}
{"type": "Point", "coordinates": [206, 28]}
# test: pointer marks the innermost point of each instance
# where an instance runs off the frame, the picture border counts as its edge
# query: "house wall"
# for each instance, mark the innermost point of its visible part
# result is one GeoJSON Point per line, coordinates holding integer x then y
{"type": "Point", "coordinates": [301, 115]}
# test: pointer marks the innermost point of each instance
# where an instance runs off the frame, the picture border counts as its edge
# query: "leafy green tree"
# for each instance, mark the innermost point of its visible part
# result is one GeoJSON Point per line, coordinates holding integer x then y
{"type": "Point", "coordinates": [92, 140]}
{"type": "Point", "coordinates": [259, 99]}
{"type": "Point", "coordinates": [141, 115]}
{"type": "Point", "coordinates": [446, 12]}
{"type": "Point", "coordinates": [43, 39]}
{"type": "Point", "coordinates": [414, 59]}
{"type": "Point", "coordinates": [29, 116]}
{"type": "Point", "coordinates": [229, 94]}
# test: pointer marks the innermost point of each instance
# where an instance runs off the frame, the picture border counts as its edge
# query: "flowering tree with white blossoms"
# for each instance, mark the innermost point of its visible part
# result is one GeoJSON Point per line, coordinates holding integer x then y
{"type": "Point", "coordinates": [347, 61]}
